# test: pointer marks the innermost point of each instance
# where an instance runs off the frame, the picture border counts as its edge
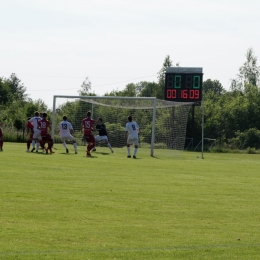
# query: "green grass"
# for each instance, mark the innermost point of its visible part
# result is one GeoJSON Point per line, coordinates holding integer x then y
{"type": "Point", "coordinates": [67, 206]}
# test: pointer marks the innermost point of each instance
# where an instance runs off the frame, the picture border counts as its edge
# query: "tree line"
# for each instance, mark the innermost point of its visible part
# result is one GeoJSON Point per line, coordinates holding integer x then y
{"type": "Point", "coordinates": [231, 116]}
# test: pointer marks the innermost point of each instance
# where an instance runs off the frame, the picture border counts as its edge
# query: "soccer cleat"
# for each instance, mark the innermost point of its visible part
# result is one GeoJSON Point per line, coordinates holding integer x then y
{"type": "Point", "coordinates": [88, 153]}
{"type": "Point", "coordinates": [112, 151]}
{"type": "Point", "coordinates": [67, 150]}
{"type": "Point", "coordinates": [46, 151]}
{"type": "Point", "coordinates": [128, 156]}
{"type": "Point", "coordinates": [94, 149]}
{"type": "Point", "coordinates": [32, 150]}
{"type": "Point", "coordinates": [76, 152]}
{"type": "Point", "coordinates": [134, 157]}
{"type": "Point", "coordinates": [27, 150]}
{"type": "Point", "coordinates": [37, 151]}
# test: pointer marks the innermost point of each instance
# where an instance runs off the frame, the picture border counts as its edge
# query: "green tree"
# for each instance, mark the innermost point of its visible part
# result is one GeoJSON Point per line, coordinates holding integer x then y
{"type": "Point", "coordinates": [161, 76]}
{"type": "Point", "coordinates": [86, 88]}
{"type": "Point", "coordinates": [16, 87]}
{"type": "Point", "coordinates": [213, 86]}
{"type": "Point", "coordinates": [148, 89]}
{"type": "Point", "coordinates": [249, 73]}
{"type": "Point", "coordinates": [5, 92]}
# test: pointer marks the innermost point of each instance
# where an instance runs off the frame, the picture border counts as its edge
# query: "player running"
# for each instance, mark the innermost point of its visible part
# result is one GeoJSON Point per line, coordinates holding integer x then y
{"type": "Point", "coordinates": [87, 128]}
{"type": "Point", "coordinates": [102, 134]}
{"type": "Point", "coordinates": [66, 131]}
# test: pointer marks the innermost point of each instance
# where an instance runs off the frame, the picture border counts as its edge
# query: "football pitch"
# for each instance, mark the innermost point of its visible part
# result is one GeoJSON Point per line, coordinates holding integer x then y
{"type": "Point", "coordinates": [68, 206]}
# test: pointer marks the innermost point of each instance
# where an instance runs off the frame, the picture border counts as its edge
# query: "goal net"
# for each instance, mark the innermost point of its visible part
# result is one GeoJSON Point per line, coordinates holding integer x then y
{"type": "Point", "coordinates": [162, 123]}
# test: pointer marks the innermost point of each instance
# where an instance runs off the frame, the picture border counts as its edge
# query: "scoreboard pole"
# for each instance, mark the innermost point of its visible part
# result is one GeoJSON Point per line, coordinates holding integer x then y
{"type": "Point", "coordinates": [202, 129]}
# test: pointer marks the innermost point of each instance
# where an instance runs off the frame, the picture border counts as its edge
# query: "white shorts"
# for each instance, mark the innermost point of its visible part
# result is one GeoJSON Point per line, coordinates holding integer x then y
{"type": "Point", "coordinates": [67, 137]}
{"type": "Point", "coordinates": [132, 141]}
{"type": "Point", "coordinates": [37, 135]}
{"type": "Point", "coordinates": [99, 138]}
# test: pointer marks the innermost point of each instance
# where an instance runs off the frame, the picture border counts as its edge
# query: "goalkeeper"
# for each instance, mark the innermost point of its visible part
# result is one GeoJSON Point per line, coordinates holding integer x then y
{"type": "Point", "coordinates": [102, 134]}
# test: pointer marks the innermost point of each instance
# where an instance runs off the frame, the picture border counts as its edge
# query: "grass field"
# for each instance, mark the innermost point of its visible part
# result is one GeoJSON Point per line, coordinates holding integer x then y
{"type": "Point", "coordinates": [67, 206]}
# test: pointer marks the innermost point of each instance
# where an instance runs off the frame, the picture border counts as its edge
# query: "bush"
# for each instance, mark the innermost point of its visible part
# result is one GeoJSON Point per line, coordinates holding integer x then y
{"type": "Point", "coordinates": [248, 139]}
{"type": "Point", "coordinates": [251, 150]}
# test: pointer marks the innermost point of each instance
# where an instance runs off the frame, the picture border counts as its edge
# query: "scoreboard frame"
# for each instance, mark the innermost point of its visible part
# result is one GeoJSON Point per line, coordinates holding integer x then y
{"type": "Point", "coordinates": [183, 84]}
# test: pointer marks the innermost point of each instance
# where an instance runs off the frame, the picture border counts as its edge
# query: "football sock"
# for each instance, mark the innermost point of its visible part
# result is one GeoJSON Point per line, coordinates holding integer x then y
{"type": "Point", "coordinates": [28, 144]}
{"type": "Point", "coordinates": [42, 144]}
{"type": "Point", "coordinates": [37, 146]}
{"type": "Point", "coordinates": [64, 144]}
{"type": "Point", "coordinates": [33, 143]}
{"type": "Point", "coordinates": [128, 150]}
{"type": "Point", "coordinates": [75, 146]}
{"type": "Point", "coordinates": [135, 151]}
{"type": "Point", "coordinates": [109, 145]}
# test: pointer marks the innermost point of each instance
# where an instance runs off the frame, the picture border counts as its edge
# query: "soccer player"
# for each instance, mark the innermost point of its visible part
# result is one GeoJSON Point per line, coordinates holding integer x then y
{"type": "Point", "coordinates": [87, 128]}
{"type": "Point", "coordinates": [36, 132]}
{"type": "Point", "coordinates": [102, 134]}
{"type": "Point", "coordinates": [29, 131]}
{"type": "Point", "coordinates": [132, 130]}
{"type": "Point", "coordinates": [43, 126]}
{"type": "Point", "coordinates": [66, 131]}
{"type": "Point", "coordinates": [1, 138]}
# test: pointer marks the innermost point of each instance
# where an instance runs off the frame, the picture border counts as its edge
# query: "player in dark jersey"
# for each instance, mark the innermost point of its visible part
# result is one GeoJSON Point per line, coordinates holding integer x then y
{"type": "Point", "coordinates": [87, 128]}
{"type": "Point", "coordinates": [102, 134]}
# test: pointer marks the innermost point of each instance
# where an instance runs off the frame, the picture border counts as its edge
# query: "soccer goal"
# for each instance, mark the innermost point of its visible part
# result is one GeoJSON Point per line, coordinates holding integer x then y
{"type": "Point", "coordinates": [162, 123]}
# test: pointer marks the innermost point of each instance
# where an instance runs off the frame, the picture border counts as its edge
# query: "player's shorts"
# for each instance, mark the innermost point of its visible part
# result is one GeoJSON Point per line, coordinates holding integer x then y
{"type": "Point", "coordinates": [47, 138]}
{"type": "Point", "coordinates": [37, 134]}
{"type": "Point", "coordinates": [67, 137]}
{"type": "Point", "coordinates": [100, 138]}
{"type": "Point", "coordinates": [132, 141]}
{"type": "Point", "coordinates": [89, 138]}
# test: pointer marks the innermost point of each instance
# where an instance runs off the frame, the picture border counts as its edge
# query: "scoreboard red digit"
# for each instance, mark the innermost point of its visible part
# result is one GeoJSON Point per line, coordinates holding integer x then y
{"type": "Point", "coordinates": [183, 84]}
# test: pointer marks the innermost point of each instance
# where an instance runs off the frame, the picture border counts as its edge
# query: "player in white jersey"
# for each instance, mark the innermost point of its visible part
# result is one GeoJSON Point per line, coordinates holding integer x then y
{"type": "Point", "coordinates": [36, 132]}
{"type": "Point", "coordinates": [65, 132]}
{"type": "Point", "coordinates": [132, 129]}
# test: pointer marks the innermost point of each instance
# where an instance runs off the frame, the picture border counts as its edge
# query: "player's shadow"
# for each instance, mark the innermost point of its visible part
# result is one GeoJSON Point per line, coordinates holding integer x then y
{"type": "Point", "coordinates": [68, 153]}
{"type": "Point", "coordinates": [102, 153]}
{"type": "Point", "coordinates": [155, 157]}
{"type": "Point", "coordinates": [91, 157]}
{"type": "Point", "coordinates": [42, 153]}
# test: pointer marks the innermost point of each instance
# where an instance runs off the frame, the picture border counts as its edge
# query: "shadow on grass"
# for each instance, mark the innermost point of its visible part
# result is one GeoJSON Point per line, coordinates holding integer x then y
{"type": "Point", "coordinates": [102, 153]}
{"type": "Point", "coordinates": [90, 157]}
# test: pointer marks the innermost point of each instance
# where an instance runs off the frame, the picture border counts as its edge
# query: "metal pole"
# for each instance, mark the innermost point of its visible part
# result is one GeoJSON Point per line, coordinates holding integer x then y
{"type": "Point", "coordinates": [153, 126]}
{"type": "Point", "coordinates": [53, 117]}
{"type": "Point", "coordinates": [202, 130]}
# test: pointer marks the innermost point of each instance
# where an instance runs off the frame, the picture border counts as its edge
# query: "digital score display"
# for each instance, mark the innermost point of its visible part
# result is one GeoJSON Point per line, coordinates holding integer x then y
{"type": "Point", "coordinates": [183, 84]}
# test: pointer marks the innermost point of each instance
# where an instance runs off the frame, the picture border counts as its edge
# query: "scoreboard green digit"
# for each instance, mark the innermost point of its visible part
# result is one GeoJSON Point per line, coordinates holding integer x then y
{"type": "Point", "coordinates": [183, 84]}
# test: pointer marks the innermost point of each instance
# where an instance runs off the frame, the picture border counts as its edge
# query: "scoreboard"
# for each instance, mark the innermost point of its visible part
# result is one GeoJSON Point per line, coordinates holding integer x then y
{"type": "Point", "coordinates": [183, 84]}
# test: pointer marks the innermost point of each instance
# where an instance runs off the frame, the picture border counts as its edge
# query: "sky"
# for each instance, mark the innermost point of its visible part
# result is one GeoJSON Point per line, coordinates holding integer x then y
{"type": "Point", "coordinates": [53, 45]}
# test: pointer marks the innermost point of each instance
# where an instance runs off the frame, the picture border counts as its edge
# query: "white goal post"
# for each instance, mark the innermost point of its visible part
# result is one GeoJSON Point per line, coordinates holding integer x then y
{"type": "Point", "coordinates": [162, 123]}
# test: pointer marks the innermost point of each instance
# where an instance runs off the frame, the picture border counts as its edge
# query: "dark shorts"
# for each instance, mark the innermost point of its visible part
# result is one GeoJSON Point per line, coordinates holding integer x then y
{"type": "Point", "coordinates": [89, 138]}
{"type": "Point", "coordinates": [46, 138]}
